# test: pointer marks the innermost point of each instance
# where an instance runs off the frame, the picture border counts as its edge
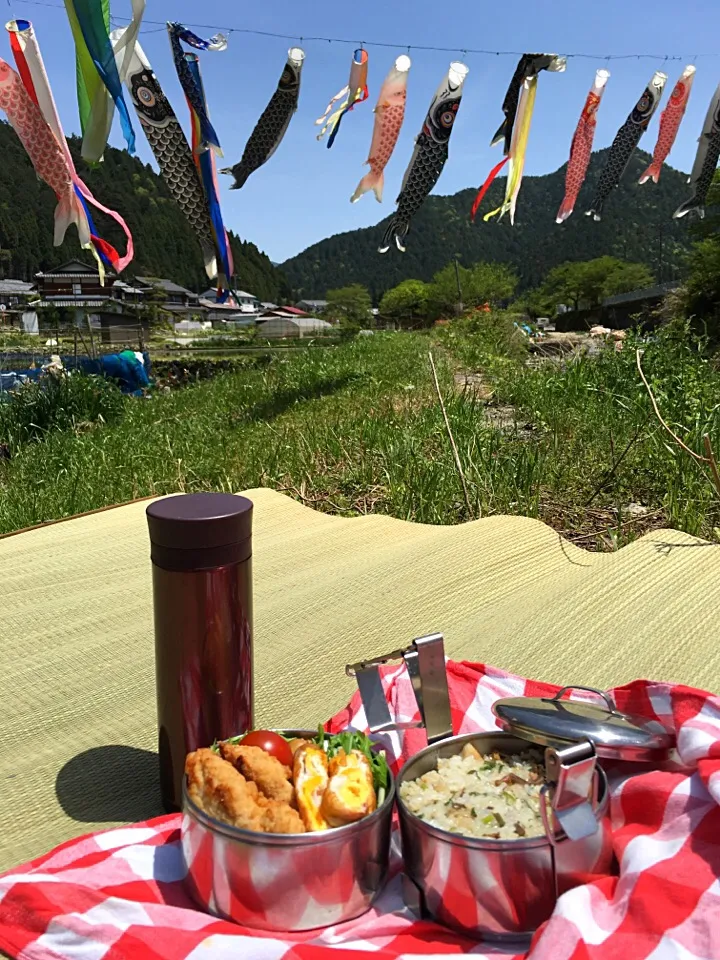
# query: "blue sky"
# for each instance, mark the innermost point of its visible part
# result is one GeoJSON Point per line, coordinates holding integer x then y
{"type": "Point", "coordinates": [302, 194]}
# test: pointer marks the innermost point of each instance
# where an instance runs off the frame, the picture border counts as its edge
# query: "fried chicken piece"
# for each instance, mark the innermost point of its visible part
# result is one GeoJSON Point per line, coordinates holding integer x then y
{"type": "Point", "coordinates": [297, 743]}
{"type": "Point", "coordinates": [280, 818]}
{"type": "Point", "coordinates": [271, 776]}
{"type": "Point", "coordinates": [221, 791]}
{"type": "Point", "coordinates": [217, 788]}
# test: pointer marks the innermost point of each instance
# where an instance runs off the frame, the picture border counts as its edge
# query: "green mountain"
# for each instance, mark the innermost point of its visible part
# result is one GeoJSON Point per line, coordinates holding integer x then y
{"type": "Point", "coordinates": [637, 225]}
{"type": "Point", "coordinates": [165, 246]}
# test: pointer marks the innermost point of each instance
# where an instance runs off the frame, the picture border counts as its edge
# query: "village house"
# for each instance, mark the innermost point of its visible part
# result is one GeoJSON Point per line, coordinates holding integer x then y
{"type": "Point", "coordinates": [73, 284]}
{"type": "Point", "coordinates": [312, 306]}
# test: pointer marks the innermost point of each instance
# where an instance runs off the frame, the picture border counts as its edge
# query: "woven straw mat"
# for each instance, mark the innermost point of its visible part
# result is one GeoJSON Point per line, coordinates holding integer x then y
{"type": "Point", "coordinates": [78, 731]}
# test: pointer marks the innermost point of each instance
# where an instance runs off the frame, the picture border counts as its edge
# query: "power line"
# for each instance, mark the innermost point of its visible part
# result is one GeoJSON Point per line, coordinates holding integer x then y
{"type": "Point", "coordinates": [395, 46]}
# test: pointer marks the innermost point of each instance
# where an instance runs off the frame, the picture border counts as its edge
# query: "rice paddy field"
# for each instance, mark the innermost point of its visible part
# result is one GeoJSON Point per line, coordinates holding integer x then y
{"type": "Point", "coordinates": [358, 427]}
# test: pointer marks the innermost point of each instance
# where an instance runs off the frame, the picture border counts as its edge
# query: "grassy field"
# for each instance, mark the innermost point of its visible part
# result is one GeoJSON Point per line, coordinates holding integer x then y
{"type": "Point", "coordinates": [358, 428]}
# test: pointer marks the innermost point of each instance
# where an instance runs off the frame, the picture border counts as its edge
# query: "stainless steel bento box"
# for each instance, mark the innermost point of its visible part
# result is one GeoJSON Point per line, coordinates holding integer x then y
{"type": "Point", "coordinates": [497, 889]}
{"type": "Point", "coordinates": [286, 882]}
{"type": "Point", "coordinates": [504, 889]}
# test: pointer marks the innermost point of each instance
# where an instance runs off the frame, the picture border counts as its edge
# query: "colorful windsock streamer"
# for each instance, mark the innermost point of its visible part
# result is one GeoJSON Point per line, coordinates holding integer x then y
{"type": "Point", "coordinates": [29, 62]}
{"type": "Point", "coordinates": [355, 91]}
{"type": "Point", "coordinates": [518, 149]}
{"type": "Point", "coordinates": [100, 72]}
{"type": "Point", "coordinates": [529, 65]}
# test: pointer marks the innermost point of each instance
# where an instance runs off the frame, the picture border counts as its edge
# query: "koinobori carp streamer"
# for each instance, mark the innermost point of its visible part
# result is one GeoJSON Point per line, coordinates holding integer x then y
{"type": "Point", "coordinates": [30, 107]}
{"type": "Point", "coordinates": [670, 120]}
{"type": "Point", "coordinates": [429, 155]}
{"type": "Point", "coordinates": [273, 123]}
{"type": "Point", "coordinates": [205, 142]}
{"type": "Point", "coordinates": [172, 152]}
{"type": "Point", "coordinates": [355, 91]}
{"type": "Point", "coordinates": [706, 160]}
{"type": "Point", "coordinates": [389, 115]}
{"type": "Point", "coordinates": [625, 142]}
{"type": "Point", "coordinates": [581, 147]}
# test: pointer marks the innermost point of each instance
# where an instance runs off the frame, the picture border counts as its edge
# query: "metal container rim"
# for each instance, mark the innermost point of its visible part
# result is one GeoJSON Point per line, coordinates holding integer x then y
{"type": "Point", "coordinates": [290, 839]}
{"type": "Point", "coordinates": [481, 843]}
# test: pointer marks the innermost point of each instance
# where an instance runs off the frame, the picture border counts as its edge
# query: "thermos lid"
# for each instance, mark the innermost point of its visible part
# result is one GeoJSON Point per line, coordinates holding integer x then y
{"type": "Point", "coordinates": [556, 721]}
{"type": "Point", "coordinates": [198, 531]}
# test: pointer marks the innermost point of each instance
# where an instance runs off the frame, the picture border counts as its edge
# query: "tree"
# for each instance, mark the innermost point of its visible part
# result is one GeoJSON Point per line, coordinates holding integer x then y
{"type": "Point", "coordinates": [491, 283]}
{"type": "Point", "coordinates": [590, 282]}
{"type": "Point", "coordinates": [407, 302]}
{"type": "Point", "coordinates": [350, 306]}
{"type": "Point", "coordinates": [699, 299]}
{"type": "Point", "coordinates": [631, 276]}
{"type": "Point", "coordinates": [480, 284]}
{"type": "Point", "coordinates": [701, 296]}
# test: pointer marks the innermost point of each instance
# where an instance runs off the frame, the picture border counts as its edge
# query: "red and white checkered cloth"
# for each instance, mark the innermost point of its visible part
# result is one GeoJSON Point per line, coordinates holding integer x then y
{"type": "Point", "coordinates": [119, 895]}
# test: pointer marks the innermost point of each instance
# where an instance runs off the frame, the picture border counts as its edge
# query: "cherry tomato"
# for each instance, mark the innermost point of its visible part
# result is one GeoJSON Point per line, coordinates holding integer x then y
{"type": "Point", "coordinates": [271, 743]}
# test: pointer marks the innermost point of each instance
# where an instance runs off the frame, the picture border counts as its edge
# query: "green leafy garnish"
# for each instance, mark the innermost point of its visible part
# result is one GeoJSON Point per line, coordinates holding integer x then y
{"type": "Point", "coordinates": [351, 740]}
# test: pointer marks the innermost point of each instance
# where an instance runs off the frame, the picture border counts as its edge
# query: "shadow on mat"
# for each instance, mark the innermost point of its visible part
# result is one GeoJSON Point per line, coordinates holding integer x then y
{"type": "Point", "coordinates": [110, 783]}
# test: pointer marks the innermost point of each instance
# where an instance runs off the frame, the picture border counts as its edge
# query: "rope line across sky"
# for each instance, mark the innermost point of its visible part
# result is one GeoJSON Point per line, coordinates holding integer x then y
{"type": "Point", "coordinates": [158, 25]}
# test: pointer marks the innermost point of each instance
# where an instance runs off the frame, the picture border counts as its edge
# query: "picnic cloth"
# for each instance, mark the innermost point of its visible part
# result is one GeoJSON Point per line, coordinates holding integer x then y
{"type": "Point", "coordinates": [77, 671]}
{"type": "Point", "coordinates": [120, 894]}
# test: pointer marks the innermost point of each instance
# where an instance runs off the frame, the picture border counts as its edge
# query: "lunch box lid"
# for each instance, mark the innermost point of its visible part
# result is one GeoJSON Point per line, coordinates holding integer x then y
{"type": "Point", "coordinates": [558, 721]}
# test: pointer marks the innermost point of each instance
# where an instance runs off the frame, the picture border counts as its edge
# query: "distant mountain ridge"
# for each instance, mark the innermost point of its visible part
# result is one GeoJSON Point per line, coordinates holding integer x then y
{"type": "Point", "coordinates": [165, 246]}
{"type": "Point", "coordinates": [636, 225]}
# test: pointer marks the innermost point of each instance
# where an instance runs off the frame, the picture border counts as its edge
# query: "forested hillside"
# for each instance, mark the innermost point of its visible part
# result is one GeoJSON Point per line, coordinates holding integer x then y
{"type": "Point", "coordinates": [164, 243]}
{"type": "Point", "coordinates": [637, 225]}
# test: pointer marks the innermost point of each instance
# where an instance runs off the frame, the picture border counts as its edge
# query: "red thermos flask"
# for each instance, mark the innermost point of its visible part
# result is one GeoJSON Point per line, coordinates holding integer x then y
{"type": "Point", "coordinates": [201, 547]}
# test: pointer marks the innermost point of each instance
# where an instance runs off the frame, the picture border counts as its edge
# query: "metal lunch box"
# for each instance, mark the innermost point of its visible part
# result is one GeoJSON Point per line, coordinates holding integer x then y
{"type": "Point", "coordinates": [505, 889]}
{"type": "Point", "coordinates": [286, 882]}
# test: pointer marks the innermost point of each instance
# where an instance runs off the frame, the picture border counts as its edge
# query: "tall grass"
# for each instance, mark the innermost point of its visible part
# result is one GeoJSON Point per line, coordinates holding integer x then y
{"type": "Point", "coordinates": [357, 428]}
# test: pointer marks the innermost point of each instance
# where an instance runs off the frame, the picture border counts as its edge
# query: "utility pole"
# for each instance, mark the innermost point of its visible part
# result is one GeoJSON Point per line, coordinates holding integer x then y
{"type": "Point", "coordinates": [460, 307]}
{"type": "Point", "coordinates": [661, 265]}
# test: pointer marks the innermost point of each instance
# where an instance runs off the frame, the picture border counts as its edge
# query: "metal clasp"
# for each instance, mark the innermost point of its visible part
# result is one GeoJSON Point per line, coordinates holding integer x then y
{"type": "Point", "coordinates": [571, 786]}
{"type": "Point", "coordinates": [425, 662]}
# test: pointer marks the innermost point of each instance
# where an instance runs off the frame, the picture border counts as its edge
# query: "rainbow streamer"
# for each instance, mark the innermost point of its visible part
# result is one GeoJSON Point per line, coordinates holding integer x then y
{"type": "Point", "coordinates": [100, 69]}
{"type": "Point", "coordinates": [31, 68]}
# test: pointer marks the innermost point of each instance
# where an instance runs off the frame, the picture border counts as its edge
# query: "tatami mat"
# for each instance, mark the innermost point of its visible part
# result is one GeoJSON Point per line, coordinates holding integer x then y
{"type": "Point", "coordinates": [78, 733]}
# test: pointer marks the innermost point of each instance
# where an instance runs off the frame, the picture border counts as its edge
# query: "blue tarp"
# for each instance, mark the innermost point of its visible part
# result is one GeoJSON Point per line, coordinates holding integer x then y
{"type": "Point", "coordinates": [125, 368]}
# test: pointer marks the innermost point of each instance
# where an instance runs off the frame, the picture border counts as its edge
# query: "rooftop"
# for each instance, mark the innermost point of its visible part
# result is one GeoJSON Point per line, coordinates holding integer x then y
{"type": "Point", "coordinates": [167, 285]}
{"type": "Point", "coordinates": [15, 286]}
{"type": "Point", "coordinates": [649, 293]}
{"type": "Point", "coordinates": [304, 323]}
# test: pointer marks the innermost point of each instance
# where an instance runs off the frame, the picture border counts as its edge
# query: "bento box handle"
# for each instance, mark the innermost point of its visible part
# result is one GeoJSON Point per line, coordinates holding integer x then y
{"type": "Point", "coordinates": [571, 788]}
{"type": "Point", "coordinates": [425, 662]}
{"type": "Point", "coordinates": [604, 696]}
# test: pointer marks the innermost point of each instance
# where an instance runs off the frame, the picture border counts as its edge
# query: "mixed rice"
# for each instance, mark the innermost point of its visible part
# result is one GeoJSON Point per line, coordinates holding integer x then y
{"type": "Point", "coordinates": [476, 796]}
